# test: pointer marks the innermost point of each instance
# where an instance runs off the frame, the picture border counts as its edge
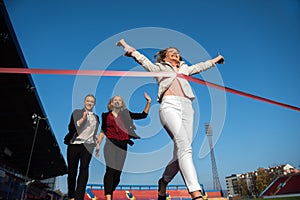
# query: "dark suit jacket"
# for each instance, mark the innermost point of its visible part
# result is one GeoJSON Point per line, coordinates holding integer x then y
{"type": "Point", "coordinates": [74, 129]}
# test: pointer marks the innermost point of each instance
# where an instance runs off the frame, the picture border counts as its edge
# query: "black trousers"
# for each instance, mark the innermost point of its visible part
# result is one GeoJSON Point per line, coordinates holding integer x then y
{"type": "Point", "coordinates": [78, 153]}
{"type": "Point", "coordinates": [115, 152]}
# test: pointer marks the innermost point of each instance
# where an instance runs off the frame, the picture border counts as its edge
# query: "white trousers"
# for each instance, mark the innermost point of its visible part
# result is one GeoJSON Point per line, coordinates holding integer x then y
{"type": "Point", "coordinates": [177, 117]}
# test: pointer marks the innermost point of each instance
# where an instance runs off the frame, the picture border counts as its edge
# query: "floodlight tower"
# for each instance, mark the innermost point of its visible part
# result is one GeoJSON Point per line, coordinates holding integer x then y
{"type": "Point", "coordinates": [216, 180]}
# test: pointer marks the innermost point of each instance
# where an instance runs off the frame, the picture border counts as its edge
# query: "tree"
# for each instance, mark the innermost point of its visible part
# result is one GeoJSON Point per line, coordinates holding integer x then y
{"type": "Point", "coordinates": [244, 187]}
{"type": "Point", "coordinates": [262, 180]}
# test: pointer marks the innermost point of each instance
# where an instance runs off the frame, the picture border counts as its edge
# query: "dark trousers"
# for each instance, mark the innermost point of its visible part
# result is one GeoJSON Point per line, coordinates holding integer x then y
{"type": "Point", "coordinates": [78, 153]}
{"type": "Point", "coordinates": [115, 152]}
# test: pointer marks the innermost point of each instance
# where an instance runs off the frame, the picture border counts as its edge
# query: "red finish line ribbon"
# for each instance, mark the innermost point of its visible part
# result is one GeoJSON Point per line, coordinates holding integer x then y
{"type": "Point", "coordinates": [227, 89]}
{"type": "Point", "coordinates": [140, 74]}
{"type": "Point", "coordinates": [83, 72]}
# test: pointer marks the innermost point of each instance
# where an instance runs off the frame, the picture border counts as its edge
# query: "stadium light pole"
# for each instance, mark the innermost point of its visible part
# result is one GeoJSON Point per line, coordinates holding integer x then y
{"type": "Point", "coordinates": [216, 179]}
{"type": "Point", "coordinates": [36, 120]}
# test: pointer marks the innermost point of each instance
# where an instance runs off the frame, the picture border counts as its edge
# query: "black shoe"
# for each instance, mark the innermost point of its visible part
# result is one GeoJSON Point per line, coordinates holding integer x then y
{"type": "Point", "coordinates": [161, 181]}
{"type": "Point", "coordinates": [199, 197]}
{"type": "Point", "coordinates": [161, 197]}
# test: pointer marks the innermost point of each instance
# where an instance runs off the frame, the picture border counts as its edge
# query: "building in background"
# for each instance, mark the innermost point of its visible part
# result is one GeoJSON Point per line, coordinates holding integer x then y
{"type": "Point", "coordinates": [255, 182]}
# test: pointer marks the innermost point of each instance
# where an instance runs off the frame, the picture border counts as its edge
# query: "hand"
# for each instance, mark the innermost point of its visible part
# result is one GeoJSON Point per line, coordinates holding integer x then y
{"type": "Point", "coordinates": [147, 97]}
{"type": "Point", "coordinates": [129, 49]}
{"type": "Point", "coordinates": [97, 139]}
{"type": "Point", "coordinates": [219, 59]}
{"type": "Point", "coordinates": [97, 150]}
{"type": "Point", "coordinates": [85, 113]}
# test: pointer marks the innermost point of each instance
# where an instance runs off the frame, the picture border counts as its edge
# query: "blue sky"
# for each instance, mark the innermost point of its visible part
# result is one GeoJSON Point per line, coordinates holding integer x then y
{"type": "Point", "coordinates": [259, 39]}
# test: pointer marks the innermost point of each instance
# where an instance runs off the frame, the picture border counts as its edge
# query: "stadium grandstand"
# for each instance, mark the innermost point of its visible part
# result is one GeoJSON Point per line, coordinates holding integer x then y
{"type": "Point", "coordinates": [283, 186]}
{"type": "Point", "coordinates": [146, 192]}
{"type": "Point", "coordinates": [30, 158]}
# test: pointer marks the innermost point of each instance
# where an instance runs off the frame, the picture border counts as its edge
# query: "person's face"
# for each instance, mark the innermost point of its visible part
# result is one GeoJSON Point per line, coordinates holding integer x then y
{"type": "Point", "coordinates": [89, 103]}
{"type": "Point", "coordinates": [117, 102]}
{"type": "Point", "coordinates": [172, 55]}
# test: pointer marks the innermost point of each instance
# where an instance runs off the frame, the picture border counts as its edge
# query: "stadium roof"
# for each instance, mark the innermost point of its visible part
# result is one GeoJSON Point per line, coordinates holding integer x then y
{"type": "Point", "coordinates": [27, 143]}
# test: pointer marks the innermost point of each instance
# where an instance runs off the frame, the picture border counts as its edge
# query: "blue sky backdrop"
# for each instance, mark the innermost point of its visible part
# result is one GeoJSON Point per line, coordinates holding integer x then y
{"type": "Point", "coordinates": [258, 38]}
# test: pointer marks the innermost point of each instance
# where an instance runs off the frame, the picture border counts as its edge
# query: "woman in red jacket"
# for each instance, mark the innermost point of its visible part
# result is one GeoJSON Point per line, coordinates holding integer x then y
{"type": "Point", "coordinates": [117, 125]}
